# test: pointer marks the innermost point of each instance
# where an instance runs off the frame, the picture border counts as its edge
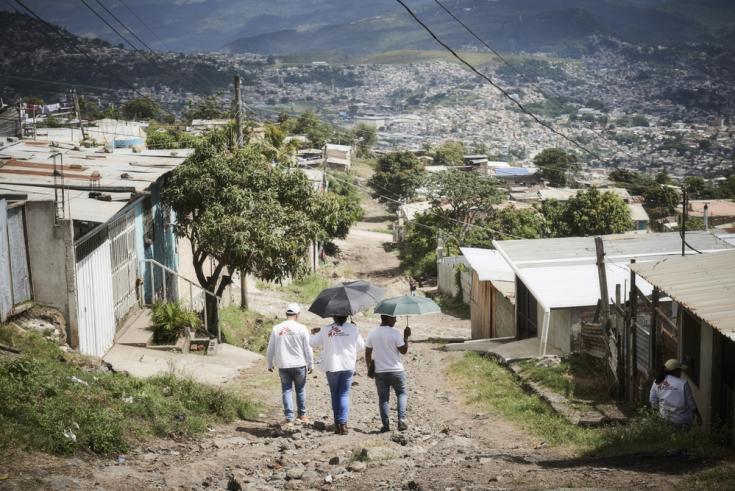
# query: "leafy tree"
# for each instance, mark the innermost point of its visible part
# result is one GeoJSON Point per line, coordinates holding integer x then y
{"type": "Point", "coordinates": [557, 166]}
{"type": "Point", "coordinates": [398, 175]}
{"type": "Point", "coordinates": [465, 193]}
{"type": "Point", "coordinates": [417, 251]}
{"type": "Point", "coordinates": [553, 212]}
{"type": "Point", "coordinates": [449, 153]}
{"type": "Point", "coordinates": [663, 177]}
{"type": "Point", "coordinates": [726, 188]}
{"type": "Point", "coordinates": [208, 108]}
{"type": "Point", "coordinates": [697, 187]}
{"type": "Point", "coordinates": [140, 109]}
{"type": "Point", "coordinates": [248, 216]}
{"type": "Point", "coordinates": [594, 213]}
{"type": "Point", "coordinates": [316, 130]}
{"type": "Point", "coordinates": [513, 222]}
{"type": "Point", "coordinates": [661, 201]}
{"type": "Point", "coordinates": [366, 137]}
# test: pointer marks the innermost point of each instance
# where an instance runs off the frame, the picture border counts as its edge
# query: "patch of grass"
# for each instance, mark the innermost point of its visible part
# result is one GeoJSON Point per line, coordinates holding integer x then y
{"type": "Point", "coordinates": [452, 306]}
{"type": "Point", "coordinates": [578, 376]}
{"type": "Point", "coordinates": [492, 388]}
{"type": "Point", "coordinates": [719, 476]}
{"type": "Point", "coordinates": [53, 402]}
{"type": "Point", "coordinates": [245, 328]}
{"type": "Point", "coordinates": [307, 288]}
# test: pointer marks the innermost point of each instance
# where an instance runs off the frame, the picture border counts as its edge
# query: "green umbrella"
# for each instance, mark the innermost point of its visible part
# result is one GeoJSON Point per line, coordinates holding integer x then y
{"type": "Point", "coordinates": [407, 305]}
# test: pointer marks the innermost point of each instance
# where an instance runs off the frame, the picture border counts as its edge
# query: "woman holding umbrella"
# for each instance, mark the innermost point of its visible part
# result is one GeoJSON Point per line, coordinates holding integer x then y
{"type": "Point", "coordinates": [341, 341]}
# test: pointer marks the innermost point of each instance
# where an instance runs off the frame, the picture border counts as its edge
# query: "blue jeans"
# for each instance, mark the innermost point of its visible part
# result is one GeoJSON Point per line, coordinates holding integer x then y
{"type": "Point", "coordinates": [386, 381]}
{"type": "Point", "coordinates": [340, 384]}
{"type": "Point", "coordinates": [293, 377]}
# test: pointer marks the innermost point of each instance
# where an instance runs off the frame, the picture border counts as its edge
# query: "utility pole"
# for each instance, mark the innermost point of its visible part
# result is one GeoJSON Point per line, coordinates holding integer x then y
{"type": "Point", "coordinates": [684, 206]}
{"type": "Point", "coordinates": [238, 113]}
{"type": "Point", "coordinates": [78, 112]}
{"type": "Point", "coordinates": [602, 273]}
{"type": "Point", "coordinates": [238, 144]}
{"type": "Point", "coordinates": [20, 119]}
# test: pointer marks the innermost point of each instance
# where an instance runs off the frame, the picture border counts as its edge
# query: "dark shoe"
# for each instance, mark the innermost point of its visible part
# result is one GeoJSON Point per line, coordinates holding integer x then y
{"type": "Point", "coordinates": [343, 429]}
{"type": "Point", "coordinates": [337, 429]}
{"type": "Point", "coordinates": [385, 429]}
{"type": "Point", "coordinates": [402, 426]}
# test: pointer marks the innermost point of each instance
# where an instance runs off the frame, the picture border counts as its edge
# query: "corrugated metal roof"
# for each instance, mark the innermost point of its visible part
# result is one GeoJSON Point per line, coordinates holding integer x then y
{"type": "Point", "coordinates": [32, 169]}
{"type": "Point", "coordinates": [489, 264]}
{"type": "Point", "coordinates": [619, 247]}
{"type": "Point", "coordinates": [577, 285]}
{"type": "Point", "coordinates": [704, 284]}
{"type": "Point", "coordinates": [638, 213]}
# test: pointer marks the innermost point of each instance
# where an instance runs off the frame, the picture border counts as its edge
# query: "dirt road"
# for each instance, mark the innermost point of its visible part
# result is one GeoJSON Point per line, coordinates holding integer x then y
{"type": "Point", "coordinates": [448, 444]}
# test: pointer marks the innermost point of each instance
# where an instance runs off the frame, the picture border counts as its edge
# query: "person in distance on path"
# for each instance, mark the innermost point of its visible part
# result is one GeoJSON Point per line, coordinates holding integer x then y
{"type": "Point", "coordinates": [340, 342]}
{"type": "Point", "coordinates": [290, 352]}
{"type": "Point", "coordinates": [672, 397]}
{"type": "Point", "coordinates": [385, 345]}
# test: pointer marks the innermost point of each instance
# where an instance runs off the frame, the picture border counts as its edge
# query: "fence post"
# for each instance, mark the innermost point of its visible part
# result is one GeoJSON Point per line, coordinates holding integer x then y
{"type": "Point", "coordinates": [163, 280]}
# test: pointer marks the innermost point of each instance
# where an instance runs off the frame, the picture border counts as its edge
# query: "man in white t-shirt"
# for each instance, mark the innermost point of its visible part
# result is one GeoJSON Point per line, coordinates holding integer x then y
{"type": "Point", "coordinates": [384, 347]}
{"type": "Point", "coordinates": [290, 352]}
{"type": "Point", "coordinates": [340, 343]}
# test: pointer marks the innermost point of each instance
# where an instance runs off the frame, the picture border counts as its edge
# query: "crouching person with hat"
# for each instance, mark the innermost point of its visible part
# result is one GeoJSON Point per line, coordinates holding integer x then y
{"type": "Point", "coordinates": [290, 352]}
{"type": "Point", "coordinates": [672, 397]}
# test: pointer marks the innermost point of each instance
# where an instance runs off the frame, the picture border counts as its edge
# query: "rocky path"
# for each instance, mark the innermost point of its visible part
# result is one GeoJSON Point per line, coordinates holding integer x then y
{"type": "Point", "coordinates": [448, 445]}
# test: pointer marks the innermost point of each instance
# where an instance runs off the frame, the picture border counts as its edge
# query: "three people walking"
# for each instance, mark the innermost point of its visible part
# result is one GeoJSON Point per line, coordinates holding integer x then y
{"type": "Point", "coordinates": [289, 351]}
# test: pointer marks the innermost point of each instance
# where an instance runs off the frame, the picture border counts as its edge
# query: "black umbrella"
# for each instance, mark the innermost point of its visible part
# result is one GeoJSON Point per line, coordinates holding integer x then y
{"type": "Point", "coordinates": [346, 299]}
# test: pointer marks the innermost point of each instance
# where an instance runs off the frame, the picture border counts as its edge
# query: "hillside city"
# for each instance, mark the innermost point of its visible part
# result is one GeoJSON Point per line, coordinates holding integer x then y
{"type": "Point", "coordinates": [395, 269]}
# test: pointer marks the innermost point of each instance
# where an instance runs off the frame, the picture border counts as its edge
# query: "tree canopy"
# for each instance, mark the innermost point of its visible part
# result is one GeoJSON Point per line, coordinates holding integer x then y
{"type": "Point", "coordinates": [247, 215]}
{"type": "Point", "coordinates": [398, 176]}
{"type": "Point", "coordinates": [593, 212]}
{"type": "Point", "coordinates": [449, 153]}
{"type": "Point", "coordinates": [140, 109]}
{"type": "Point", "coordinates": [208, 108]}
{"type": "Point", "coordinates": [557, 166]}
{"type": "Point", "coordinates": [465, 193]}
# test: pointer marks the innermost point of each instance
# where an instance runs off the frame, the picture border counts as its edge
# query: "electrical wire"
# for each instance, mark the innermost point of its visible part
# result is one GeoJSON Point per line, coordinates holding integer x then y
{"type": "Point", "coordinates": [600, 134]}
{"type": "Point", "coordinates": [73, 44]}
{"type": "Point", "coordinates": [504, 92]}
{"type": "Point", "coordinates": [99, 16]}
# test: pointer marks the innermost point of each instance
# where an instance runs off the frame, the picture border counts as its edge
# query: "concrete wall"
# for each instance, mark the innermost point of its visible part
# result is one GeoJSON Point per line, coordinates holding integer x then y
{"type": "Point", "coordinates": [447, 277]}
{"type": "Point", "coordinates": [53, 267]}
{"type": "Point", "coordinates": [703, 392]}
{"type": "Point", "coordinates": [505, 316]}
{"type": "Point", "coordinates": [560, 329]}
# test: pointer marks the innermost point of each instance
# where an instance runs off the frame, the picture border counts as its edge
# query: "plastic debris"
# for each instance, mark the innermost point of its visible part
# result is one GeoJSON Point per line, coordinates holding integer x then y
{"type": "Point", "coordinates": [69, 435]}
{"type": "Point", "coordinates": [77, 380]}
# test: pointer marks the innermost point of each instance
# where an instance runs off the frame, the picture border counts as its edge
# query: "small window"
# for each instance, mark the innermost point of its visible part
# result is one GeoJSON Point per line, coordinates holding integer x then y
{"type": "Point", "coordinates": [691, 339]}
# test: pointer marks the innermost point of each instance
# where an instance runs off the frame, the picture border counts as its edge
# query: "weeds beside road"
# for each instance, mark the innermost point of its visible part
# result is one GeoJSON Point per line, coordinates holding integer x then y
{"type": "Point", "coordinates": [61, 403]}
{"type": "Point", "coordinates": [490, 387]}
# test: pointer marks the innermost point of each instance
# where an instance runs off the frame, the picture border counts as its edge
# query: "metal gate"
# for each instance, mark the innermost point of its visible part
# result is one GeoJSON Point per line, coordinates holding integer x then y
{"type": "Point", "coordinates": [123, 263]}
{"type": "Point", "coordinates": [95, 307]}
{"type": "Point", "coordinates": [15, 278]}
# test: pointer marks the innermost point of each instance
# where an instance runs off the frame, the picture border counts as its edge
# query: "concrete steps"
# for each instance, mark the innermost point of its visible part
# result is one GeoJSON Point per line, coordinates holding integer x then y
{"type": "Point", "coordinates": [137, 330]}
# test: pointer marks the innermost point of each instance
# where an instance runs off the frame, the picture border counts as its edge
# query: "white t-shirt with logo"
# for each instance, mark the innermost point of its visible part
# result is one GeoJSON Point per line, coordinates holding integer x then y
{"type": "Point", "coordinates": [385, 341]}
{"type": "Point", "coordinates": [674, 399]}
{"type": "Point", "coordinates": [340, 346]}
{"type": "Point", "coordinates": [288, 346]}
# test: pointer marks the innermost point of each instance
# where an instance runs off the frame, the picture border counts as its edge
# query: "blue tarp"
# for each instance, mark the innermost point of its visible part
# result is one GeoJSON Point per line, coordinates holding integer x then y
{"type": "Point", "coordinates": [129, 142]}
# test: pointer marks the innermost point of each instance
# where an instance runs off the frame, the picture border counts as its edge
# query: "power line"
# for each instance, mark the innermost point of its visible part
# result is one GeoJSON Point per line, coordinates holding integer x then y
{"type": "Point", "coordinates": [498, 87]}
{"type": "Point", "coordinates": [99, 16]}
{"type": "Point", "coordinates": [123, 24]}
{"type": "Point", "coordinates": [163, 43]}
{"type": "Point", "coordinates": [73, 44]}
{"type": "Point", "coordinates": [510, 65]}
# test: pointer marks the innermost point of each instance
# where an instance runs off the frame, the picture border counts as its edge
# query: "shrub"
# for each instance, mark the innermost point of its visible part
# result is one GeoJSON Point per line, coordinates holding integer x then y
{"type": "Point", "coordinates": [170, 321]}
